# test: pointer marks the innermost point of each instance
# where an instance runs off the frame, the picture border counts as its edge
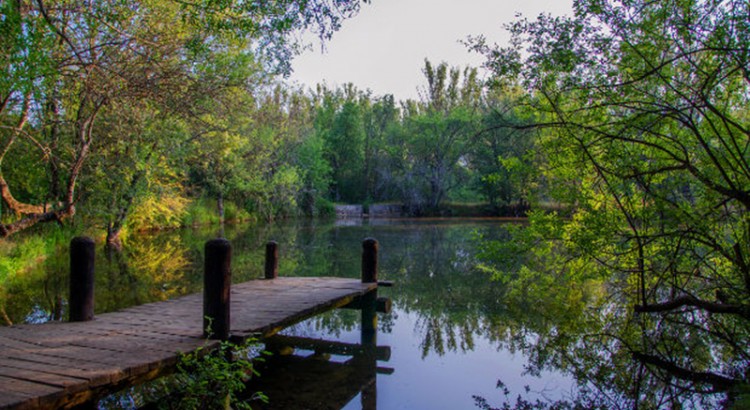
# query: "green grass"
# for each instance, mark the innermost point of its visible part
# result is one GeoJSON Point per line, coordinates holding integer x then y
{"type": "Point", "coordinates": [23, 251]}
{"type": "Point", "coordinates": [203, 211]}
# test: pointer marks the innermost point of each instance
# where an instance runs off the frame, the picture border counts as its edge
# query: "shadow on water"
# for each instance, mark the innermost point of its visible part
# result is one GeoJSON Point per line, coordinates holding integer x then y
{"type": "Point", "coordinates": [320, 374]}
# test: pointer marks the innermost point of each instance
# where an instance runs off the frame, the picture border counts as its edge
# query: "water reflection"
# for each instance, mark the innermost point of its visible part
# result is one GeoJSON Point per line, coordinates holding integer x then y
{"type": "Point", "coordinates": [455, 336]}
{"type": "Point", "coordinates": [314, 373]}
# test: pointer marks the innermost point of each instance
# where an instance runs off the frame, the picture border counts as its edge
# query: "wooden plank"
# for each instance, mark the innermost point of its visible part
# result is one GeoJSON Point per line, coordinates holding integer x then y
{"type": "Point", "coordinates": [134, 342]}
{"type": "Point", "coordinates": [95, 374]}
{"type": "Point", "coordinates": [15, 400]}
{"type": "Point", "coordinates": [66, 383]}
{"type": "Point", "coordinates": [88, 378]}
{"type": "Point", "coordinates": [30, 393]}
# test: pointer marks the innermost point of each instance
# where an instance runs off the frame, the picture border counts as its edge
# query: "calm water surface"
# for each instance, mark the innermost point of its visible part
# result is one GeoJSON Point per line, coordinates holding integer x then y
{"type": "Point", "coordinates": [448, 332]}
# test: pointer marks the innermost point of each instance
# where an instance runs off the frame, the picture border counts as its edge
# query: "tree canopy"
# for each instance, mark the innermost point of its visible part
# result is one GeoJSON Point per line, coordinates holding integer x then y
{"type": "Point", "coordinates": [67, 65]}
{"type": "Point", "coordinates": [643, 108]}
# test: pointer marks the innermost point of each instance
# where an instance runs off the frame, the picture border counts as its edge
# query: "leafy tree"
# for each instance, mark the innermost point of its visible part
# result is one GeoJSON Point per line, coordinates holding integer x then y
{"type": "Point", "coordinates": [282, 122]}
{"type": "Point", "coordinates": [315, 173]}
{"type": "Point", "coordinates": [382, 122]}
{"type": "Point", "coordinates": [344, 146]}
{"type": "Point", "coordinates": [65, 62]}
{"type": "Point", "coordinates": [437, 131]}
{"type": "Point", "coordinates": [644, 107]}
{"type": "Point", "coordinates": [502, 153]}
{"type": "Point", "coordinates": [137, 157]}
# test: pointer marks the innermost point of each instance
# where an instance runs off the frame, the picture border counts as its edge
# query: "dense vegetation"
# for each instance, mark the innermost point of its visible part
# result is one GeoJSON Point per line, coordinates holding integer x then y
{"type": "Point", "coordinates": [147, 114]}
{"type": "Point", "coordinates": [645, 111]}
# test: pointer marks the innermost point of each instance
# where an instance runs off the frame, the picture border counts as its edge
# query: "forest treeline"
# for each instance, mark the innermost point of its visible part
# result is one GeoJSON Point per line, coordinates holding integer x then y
{"type": "Point", "coordinates": [159, 114]}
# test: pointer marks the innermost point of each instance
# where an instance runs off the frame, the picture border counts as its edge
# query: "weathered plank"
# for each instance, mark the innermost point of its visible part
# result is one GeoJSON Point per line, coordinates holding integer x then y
{"type": "Point", "coordinates": [63, 364]}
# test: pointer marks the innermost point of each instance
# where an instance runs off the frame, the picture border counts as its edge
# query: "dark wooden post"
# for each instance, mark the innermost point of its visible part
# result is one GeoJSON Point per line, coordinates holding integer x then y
{"type": "Point", "coordinates": [369, 397]}
{"type": "Point", "coordinates": [272, 260]}
{"type": "Point", "coordinates": [369, 260]}
{"type": "Point", "coordinates": [368, 336]}
{"type": "Point", "coordinates": [82, 253]}
{"type": "Point", "coordinates": [369, 275]}
{"type": "Point", "coordinates": [217, 279]}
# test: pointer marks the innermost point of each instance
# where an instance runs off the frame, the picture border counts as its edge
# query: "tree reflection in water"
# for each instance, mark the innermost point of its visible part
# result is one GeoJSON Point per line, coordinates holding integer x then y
{"type": "Point", "coordinates": [562, 317]}
{"type": "Point", "coordinates": [621, 358]}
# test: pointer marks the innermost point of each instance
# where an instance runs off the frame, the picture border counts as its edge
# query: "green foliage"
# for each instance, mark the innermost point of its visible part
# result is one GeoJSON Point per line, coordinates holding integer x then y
{"type": "Point", "coordinates": [344, 148]}
{"type": "Point", "coordinates": [135, 181]}
{"type": "Point", "coordinates": [436, 135]}
{"type": "Point", "coordinates": [17, 257]}
{"type": "Point", "coordinates": [166, 78]}
{"type": "Point", "coordinates": [213, 379]}
{"type": "Point", "coordinates": [503, 153]}
{"type": "Point", "coordinates": [158, 212]}
{"type": "Point", "coordinates": [642, 109]}
{"type": "Point", "coordinates": [315, 176]}
{"type": "Point", "coordinates": [200, 212]}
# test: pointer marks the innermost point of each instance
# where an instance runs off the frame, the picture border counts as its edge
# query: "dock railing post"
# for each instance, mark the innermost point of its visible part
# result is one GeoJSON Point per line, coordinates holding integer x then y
{"type": "Point", "coordinates": [368, 336]}
{"type": "Point", "coordinates": [272, 260]}
{"type": "Point", "coordinates": [369, 275]}
{"type": "Point", "coordinates": [81, 303]}
{"type": "Point", "coordinates": [369, 260]}
{"type": "Point", "coordinates": [217, 279]}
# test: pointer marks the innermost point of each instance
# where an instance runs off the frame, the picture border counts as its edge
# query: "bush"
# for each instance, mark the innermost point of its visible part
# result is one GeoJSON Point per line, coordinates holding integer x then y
{"type": "Point", "coordinates": [201, 211]}
{"type": "Point", "coordinates": [207, 378]}
{"type": "Point", "coordinates": [158, 212]}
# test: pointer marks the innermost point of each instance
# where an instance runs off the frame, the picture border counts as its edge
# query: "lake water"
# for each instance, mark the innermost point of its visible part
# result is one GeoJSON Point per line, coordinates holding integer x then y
{"type": "Point", "coordinates": [452, 340]}
{"type": "Point", "coordinates": [445, 349]}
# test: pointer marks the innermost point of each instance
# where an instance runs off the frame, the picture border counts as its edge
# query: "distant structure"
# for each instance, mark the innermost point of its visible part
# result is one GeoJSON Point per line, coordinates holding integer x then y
{"type": "Point", "coordinates": [373, 211]}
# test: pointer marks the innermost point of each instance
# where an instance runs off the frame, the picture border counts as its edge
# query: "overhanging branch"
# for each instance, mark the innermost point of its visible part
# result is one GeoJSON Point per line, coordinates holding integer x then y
{"type": "Point", "coordinates": [712, 307]}
{"type": "Point", "coordinates": [718, 381]}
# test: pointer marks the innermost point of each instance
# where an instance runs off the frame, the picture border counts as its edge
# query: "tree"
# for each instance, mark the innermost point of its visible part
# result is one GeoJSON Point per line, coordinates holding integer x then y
{"type": "Point", "coordinates": [502, 154]}
{"type": "Point", "coordinates": [282, 124]}
{"type": "Point", "coordinates": [137, 157]}
{"type": "Point", "coordinates": [437, 133]}
{"type": "Point", "coordinates": [644, 111]}
{"type": "Point", "coordinates": [345, 148]}
{"type": "Point", "coordinates": [63, 63]}
{"type": "Point", "coordinates": [381, 119]}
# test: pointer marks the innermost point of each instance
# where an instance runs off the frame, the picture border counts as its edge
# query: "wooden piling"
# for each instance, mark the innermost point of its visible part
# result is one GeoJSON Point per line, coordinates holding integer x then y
{"type": "Point", "coordinates": [217, 279]}
{"type": "Point", "coordinates": [368, 335]}
{"type": "Point", "coordinates": [369, 260]}
{"type": "Point", "coordinates": [82, 254]}
{"type": "Point", "coordinates": [369, 300]}
{"type": "Point", "coordinates": [272, 260]}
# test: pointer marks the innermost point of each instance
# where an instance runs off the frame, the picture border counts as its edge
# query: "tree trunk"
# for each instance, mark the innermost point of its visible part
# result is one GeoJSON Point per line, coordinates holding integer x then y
{"type": "Point", "coordinates": [114, 228]}
{"type": "Point", "coordinates": [220, 206]}
{"type": "Point", "coordinates": [13, 205]}
{"type": "Point", "coordinates": [113, 236]}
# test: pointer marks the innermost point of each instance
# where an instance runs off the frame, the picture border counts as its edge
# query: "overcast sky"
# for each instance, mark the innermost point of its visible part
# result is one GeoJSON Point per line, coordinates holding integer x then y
{"type": "Point", "coordinates": [383, 48]}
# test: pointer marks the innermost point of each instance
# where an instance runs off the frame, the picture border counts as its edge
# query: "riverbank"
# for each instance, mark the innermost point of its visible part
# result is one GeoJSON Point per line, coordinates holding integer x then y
{"type": "Point", "coordinates": [445, 210]}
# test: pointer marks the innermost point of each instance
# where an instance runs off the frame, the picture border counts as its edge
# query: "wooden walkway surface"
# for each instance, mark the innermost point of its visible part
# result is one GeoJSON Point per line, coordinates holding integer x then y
{"type": "Point", "coordinates": [57, 364]}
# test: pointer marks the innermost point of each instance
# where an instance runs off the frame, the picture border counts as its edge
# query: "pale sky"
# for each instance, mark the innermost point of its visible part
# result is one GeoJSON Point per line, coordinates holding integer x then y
{"type": "Point", "coordinates": [383, 48]}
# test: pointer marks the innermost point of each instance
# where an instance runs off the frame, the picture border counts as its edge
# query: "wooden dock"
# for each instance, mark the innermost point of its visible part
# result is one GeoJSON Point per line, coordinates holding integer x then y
{"type": "Point", "coordinates": [58, 364]}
